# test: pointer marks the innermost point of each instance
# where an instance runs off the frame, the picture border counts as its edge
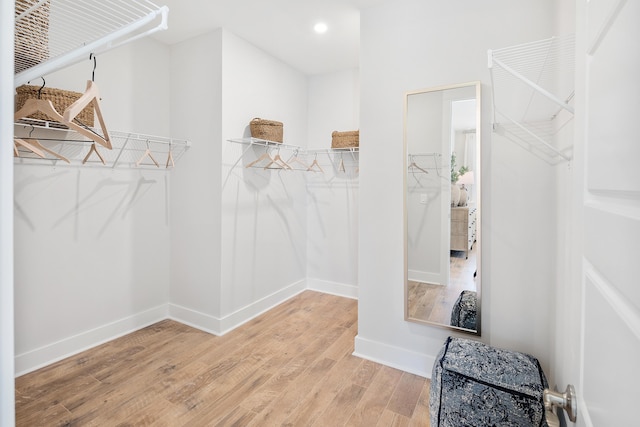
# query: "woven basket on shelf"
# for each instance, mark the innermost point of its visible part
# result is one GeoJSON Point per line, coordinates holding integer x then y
{"type": "Point", "coordinates": [266, 129]}
{"type": "Point", "coordinates": [60, 99]}
{"type": "Point", "coordinates": [349, 139]}
{"type": "Point", "coordinates": [31, 34]}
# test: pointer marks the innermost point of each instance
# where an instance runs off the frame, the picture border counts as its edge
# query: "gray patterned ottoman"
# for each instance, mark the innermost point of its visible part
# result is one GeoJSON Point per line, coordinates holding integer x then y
{"type": "Point", "coordinates": [464, 312]}
{"type": "Point", "coordinates": [473, 384]}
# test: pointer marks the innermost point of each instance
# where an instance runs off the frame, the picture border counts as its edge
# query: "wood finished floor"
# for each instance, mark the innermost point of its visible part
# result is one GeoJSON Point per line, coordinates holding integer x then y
{"type": "Point", "coordinates": [292, 366]}
{"type": "Point", "coordinates": [433, 303]}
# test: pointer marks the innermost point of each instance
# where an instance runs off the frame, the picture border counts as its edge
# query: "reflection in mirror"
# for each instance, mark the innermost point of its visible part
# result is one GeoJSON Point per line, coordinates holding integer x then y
{"type": "Point", "coordinates": [442, 206]}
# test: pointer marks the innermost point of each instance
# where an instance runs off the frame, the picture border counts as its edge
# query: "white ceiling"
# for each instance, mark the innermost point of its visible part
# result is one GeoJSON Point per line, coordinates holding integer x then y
{"type": "Point", "coordinates": [282, 28]}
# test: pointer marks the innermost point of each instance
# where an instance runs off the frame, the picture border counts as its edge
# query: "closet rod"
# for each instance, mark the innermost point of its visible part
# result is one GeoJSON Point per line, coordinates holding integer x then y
{"type": "Point", "coordinates": [110, 41]}
{"type": "Point", "coordinates": [425, 155]}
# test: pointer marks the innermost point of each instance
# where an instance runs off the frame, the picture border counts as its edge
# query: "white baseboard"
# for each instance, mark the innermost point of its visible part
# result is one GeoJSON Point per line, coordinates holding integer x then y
{"type": "Point", "coordinates": [396, 357]}
{"type": "Point", "coordinates": [333, 288]}
{"type": "Point", "coordinates": [195, 319]}
{"type": "Point", "coordinates": [222, 325]}
{"type": "Point", "coordinates": [425, 277]}
{"type": "Point", "coordinates": [46, 355]}
{"type": "Point", "coordinates": [50, 353]}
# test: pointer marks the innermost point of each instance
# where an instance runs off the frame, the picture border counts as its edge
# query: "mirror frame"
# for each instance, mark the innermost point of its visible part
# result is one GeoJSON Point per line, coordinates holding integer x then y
{"type": "Point", "coordinates": [478, 201]}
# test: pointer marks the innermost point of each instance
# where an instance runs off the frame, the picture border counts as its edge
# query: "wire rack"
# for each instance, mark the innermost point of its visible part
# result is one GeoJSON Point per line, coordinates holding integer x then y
{"type": "Point", "coordinates": [340, 158]}
{"type": "Point", "coordinates": [533, 89]}
{"type": "Point", "coordinates": [129, 149]}
{"type": "Point", "coordinates": [52, 34]}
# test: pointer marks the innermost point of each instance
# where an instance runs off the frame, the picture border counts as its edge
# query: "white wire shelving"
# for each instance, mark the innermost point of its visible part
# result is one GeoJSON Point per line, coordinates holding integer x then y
{"type": "Point", "coordinates": [53, 34]}
{"type": "Point", "coordinates": [130, 150]}
{"type": "Point", "coordinates": [337, 157]}
{"type": "Point", "coordinates": [533, 90]}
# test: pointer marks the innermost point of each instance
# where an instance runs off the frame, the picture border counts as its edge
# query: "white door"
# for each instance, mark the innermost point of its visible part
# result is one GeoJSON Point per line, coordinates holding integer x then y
{"type": "Point", "coordinates": [609, 250]}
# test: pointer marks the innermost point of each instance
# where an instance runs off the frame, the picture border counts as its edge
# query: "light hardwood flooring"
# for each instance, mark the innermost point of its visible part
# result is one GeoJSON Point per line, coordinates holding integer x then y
{"type": "Point", "coordinates": [433, 303]}
{"type": "Point", "coordinates": [292, 366]}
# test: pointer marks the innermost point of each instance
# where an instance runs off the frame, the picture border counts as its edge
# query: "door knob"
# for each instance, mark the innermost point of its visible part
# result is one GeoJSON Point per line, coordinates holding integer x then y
{"type": "Point", "coordinates": [566, 401]}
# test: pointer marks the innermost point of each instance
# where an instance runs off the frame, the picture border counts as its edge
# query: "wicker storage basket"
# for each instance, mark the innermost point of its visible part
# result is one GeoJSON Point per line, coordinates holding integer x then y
{"type": "Point", "coordinates": [349, 139]}
{"type": "Point", "coordinates": [31, 34]}
{"type": "Point", "coordinates": [266, 129]}
{"type": "Point", "coordinates": [60, 99]}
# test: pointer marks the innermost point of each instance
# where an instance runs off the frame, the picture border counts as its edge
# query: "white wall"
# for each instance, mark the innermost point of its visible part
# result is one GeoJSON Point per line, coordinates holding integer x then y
{"type": "Point", "coordinates": [427, 45]}
{"type": "Point", "coordinates": [7, 393]}
{"type": "Point", "coordinates": [264, 212]}
{"type": "Point", "coordinates": [332, 239]}
{"type": "Point", "coordinates": [334, 105]}
{"type": "Point", "coordinates": [91, 244]}
{"type": "Point", "coordinates": [196, 108]}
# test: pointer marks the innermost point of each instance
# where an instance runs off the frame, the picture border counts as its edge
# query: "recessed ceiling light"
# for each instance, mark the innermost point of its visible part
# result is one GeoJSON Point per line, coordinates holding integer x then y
{"type": "Point", "coordinates": [320, 28]}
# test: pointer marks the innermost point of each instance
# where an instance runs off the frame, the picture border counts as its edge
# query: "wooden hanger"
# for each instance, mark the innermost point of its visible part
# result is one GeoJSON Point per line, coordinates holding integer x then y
{"type": "Point", "coordinates": [264, 156]}
{"type": "Point", "coordinates": [341, 165]}
{"type": "Point", "coordinates": [90, 96]}
{"type": "Point", "coordinates": [29, 146]}
{"type": "Point", "coordinates": [296, 159]}
{"type": "Point", "coordinates": [33, 105]}
{"type": "Point", "coordinates": [170, 158]}
{"type": "Point", "coordinates": [147, 153]}
{"type": "Point", "coordinates": [93, 149]}
{"type": "Point", "coordinates": [278, 161]}
{"type": "Point", "coordinates": [36, 144]}
{"type": "Point", "coordinates": [413, 165]}
{"type": "Point", "coordinates": [315, 164]}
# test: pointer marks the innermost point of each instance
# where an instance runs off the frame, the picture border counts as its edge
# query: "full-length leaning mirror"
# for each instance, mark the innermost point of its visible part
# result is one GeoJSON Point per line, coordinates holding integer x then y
{"type": "Point", "coordinates": [442, 206]}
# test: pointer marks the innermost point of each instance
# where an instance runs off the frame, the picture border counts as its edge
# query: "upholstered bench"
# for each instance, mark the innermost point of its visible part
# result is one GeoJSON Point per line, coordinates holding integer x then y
{"type": "Point", "coordinates": [473, 384]}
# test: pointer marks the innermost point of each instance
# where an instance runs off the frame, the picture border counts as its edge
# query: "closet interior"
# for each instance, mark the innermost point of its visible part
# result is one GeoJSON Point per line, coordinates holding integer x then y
{"type": "Point", "coordinates": [241, 225]}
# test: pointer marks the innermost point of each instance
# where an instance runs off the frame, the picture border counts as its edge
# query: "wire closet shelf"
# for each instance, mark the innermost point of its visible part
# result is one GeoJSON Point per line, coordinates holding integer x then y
{"type": "Point", "coordinates": [53, 34]}
{"type": "Point", "coordinates": [344, 154]}
{"type": "Point", "coordinates": [533, 90]}
{"type": "Point", "coordinates": [130, 149]}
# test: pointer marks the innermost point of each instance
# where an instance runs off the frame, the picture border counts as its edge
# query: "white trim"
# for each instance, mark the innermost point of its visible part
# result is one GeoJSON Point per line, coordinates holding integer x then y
{"type": "Point", "coordinates": [395, 357]}
{"type": "Point", "coordinates": [627, 312]}
{"type": "Point", "coordinates": [50, 353]}
{"type": "Point", "coordinates": [222, 325]}
{"type": "Point", "coordinates": [195, 319]}
{"type": "Point", "coordinates": [256, 308]}
{"type": "Point", "coordinates": [333, 288]}
{"type": "Point", "coordinates": [426, 277]}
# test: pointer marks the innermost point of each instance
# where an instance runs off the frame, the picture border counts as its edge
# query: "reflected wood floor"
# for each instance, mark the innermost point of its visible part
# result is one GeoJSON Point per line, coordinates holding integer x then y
{"type": "Point", "coordinates": [433, 303]}
{"type": "Point", "coordinates": [292, 366]}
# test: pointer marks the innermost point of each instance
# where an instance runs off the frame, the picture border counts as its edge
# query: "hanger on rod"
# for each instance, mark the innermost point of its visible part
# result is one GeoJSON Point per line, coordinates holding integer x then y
{"type": "Point", "coordinates": [147, 153]}
{"type": "Point", "coordinates": [315, 164]}
{"type": "Point", "coordinates": [170, 157]}
{"type": "Point", "coordinates": [279, 162]}
{"type": "Point", "coordinates": [93, 149]}
{"type": "Point", "coordinates": [27, 145]}
{"type": "Point", "coordinates": [296, 159]}
{"type": "Point", "coordinates": [34, 143]}
{"type": "Point", "coordinates": [341, 164]}
{"type": "Point", "coordinates": [414, 166]}
{"type": "Point", "coordinates": [91, 96]}
{"type": "Point", "coordinates": [46, 107]}
{"type": "Point", "coordinates": [264, 156]}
